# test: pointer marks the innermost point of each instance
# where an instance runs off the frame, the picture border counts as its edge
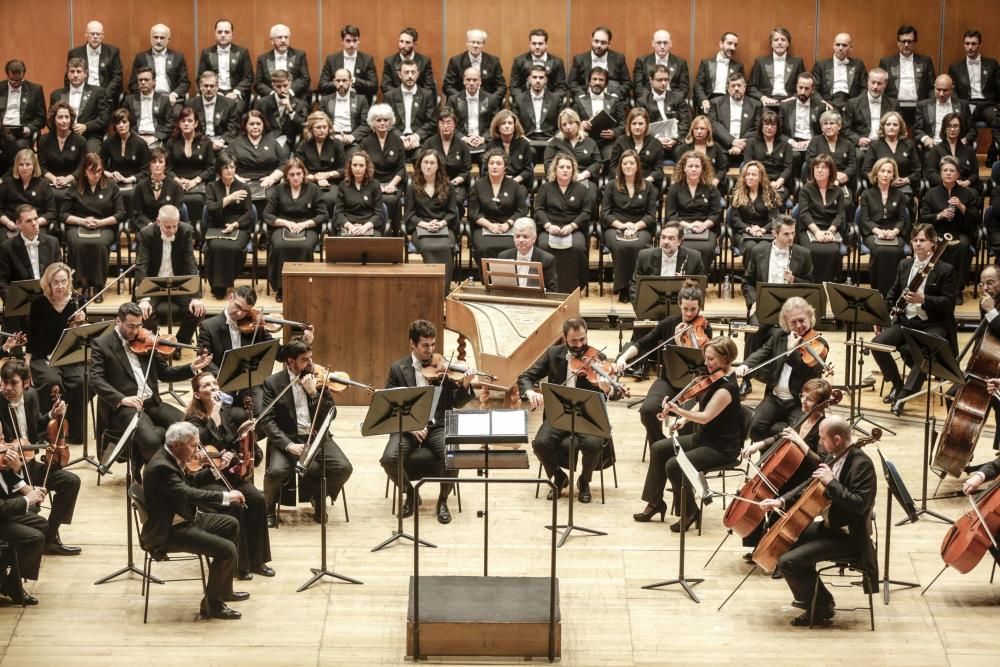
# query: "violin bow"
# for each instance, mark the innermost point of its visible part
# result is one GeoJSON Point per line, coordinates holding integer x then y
{"type": "Point", "coordinates": [17, 443]}
{"type": "Point", "coordinates": [760, 473]}
{"type": "Point", "coordinates": [661, 345]}
{"type": "Point", "coordinates": [982, 520]}
{"type": "Point", "coordinates": [105, 289]}
{"type": "Point", "coordinates": [215, 469]}
{"type": "Point", "coordinates": [267, 408]}
{"type": "Point", "coordinates": [586, 364]}
{"type": "Point", "coordinates": [782, 355]}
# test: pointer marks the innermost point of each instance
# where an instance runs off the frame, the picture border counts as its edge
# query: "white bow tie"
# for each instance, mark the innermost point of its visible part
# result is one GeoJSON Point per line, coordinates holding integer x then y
{"type": "Point", "coordinates": [31, 244]}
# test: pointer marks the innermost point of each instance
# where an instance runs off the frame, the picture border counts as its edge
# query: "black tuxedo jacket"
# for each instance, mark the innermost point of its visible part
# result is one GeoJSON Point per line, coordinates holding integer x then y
{"type": "Point", "coordinates": [359, 112]}
{"type": "Point", "coordinates": [365, 77]}
{"type": "Point", "coordinates": [290, 124]}
{"type": "Point", "coordinates": [923, 73]}
{"type": "Point", "coordinates": [32, 104]}
{"type": "Point", "coordinates": [489, 105]}
{"type": "Point", "coordinates": [718, 112]}
{"type": "Point", "coordinates": [95, 108]}
{"type": "Point", "coordinates": [150, 252]}
{"type": "Point", "coordinates": [240, 67]}
{"type": "Point", "coordinates": [298, 70]}
{"type": "Point", "coordinates": [758, 267]}
{"type": "Point", "coordinates": [989, 76]}
{"type": "Point", "coordinates": [761, 81]}
{"type": "Point", "coordinates": [991, 469]}
{"type": "Point", "coordinates": [857, 76]}
{"type": "Point", "coordinates": [551, 365]}
{"type": "Point", "coordinates": [163, 115]}
{"type": "Point", "coordinates": [15, 263]}
{"type": "Point", "coordinates": [520, 72]}
{"type": "Point", "coordinates": [279, 425]}
{"type": "Point", "coordinates": [923, 126]}
{"type": "Point", "coordinates": [35, 421]}
{"type": "Point", "coordinates": [704, 82]}
{"type": "Point", "coordinates": [213, 335]}
{"type": "Point", "coordinates": [403, 373]}
{"type": "Point", "coordinates": [524, 109]}
{"type": "Point", "coordinates": [110, 69]}
{"type": "Point", "coordinates": [858, 116]}
{"type": "Point", "coordinates": [177, 72]}
{"type": "Point", "coordinates": [423, 114]}
{"type": "Point", "coordinates": [642, 71]}
{"type": "Point", "coordinates": [168, 495]}
{"type": "Point", "coordinates": [689, 263]}
{"type": "Point", "coordinates": [225, 120]}
{"type": "Point", "coordinates": [787, 109]}
{"type": "Point", "coordinates": [675, 105]}
{"type": "Point", "coordinates": [614, 105]}
{"type": "Point", "coordinates": [425, 74]}
{"type": "Point", "coordinates": [619, 80]}
{"type": "Point", "coordinates": [770, 374]}
{"type": "Point", "coordinates": [111, 375]}
{"type": "Point", "coordinates": [490, 68]}
{"type": "Point", "coordinates": [548, 261]}
{"type": "Point", "coordinates": [940, 289]}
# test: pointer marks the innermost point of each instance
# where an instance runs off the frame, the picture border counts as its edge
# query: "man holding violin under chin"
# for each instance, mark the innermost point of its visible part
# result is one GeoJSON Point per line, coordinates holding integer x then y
{"type": "Point", "coordinates": [423, 451]}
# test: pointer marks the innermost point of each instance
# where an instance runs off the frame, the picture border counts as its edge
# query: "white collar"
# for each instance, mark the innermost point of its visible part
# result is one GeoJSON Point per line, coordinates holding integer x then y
{"type": "Point", "coordinates": [776, 58]}
{"type": "Point", "coordinates": [719, 58]}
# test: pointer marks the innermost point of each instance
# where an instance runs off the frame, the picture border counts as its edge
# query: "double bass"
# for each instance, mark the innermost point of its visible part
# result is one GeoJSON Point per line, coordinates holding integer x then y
{"type": "Point", "coordinates": [972, 535]}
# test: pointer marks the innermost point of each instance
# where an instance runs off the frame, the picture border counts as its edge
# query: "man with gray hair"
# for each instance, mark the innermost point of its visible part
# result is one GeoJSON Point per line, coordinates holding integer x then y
{"type": "Point", "coordinates": [170, 72]}
{"type": "Point", "coordinates": [525, 250]}
{"type": "Point", "coordinates": [488, 65]}
{"type": "Point", "coordinates": [282, 57]}
{"type": "Point", "coordinates": [175, 524]}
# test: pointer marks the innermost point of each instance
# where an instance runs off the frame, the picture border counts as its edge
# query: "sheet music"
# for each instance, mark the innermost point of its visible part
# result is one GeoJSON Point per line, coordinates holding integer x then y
{"type": "Point", "coordinates": [696, 481]}
{"type": "Point", "coordinates": [473, 423]}
{"type": "Point", "coordinates": [508, 422]}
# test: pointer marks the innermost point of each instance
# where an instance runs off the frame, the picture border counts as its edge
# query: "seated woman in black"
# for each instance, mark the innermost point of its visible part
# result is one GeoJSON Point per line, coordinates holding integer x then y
{"type": "Point", "coordinates": [495, 202]}
{"type": "Point", "coordinates": [694, 202]}
{"type": "Point", "coordinates": [432, 212]}
{"type": "Point", "coordinates": [951, 145]}
{"type": "Point", "coordinates": [25, 185]}
{"type": "Point", "coordinates": [386, 152]}
{"type": "Point", "coordinates": [359, 207]}
{"type": "Point", "coordinates": [638, 139]}
{"type": "Point", "coordinates": [149, 194]}
{"type": "Point", "coordinates": [768, 147]}
{"type": "Point", "coordinates": [883, 223]}
{"type": "Point", "coordinates": [822, 205]}
{"type": "Point", "coordinates": [717, 442]}
{"type": "Point", "coordinates": [628, 217]}
{"type": "Point", "coordinates": [837, 147]}
{"type": "Point", "coordinates": [563, 209]}
{"type": "Point", "coordinates": [192, 162]}
{"type": "Point", "coordinates": [508, 135]}
{"type": "Point", "coordinates": [893, 143]}
{"type": "Point", "coordinates": [699, 138]}
{"type": "Point", "coordinates": [259, 157]}
{"type": "Point", "coordinates": [457, 158]}
{"type": "Point", "coordinates": [125, 155]}
{"type": "Point", "coordinates": [295, 214]}
{"type": "Point", "coordinates": [323, 156]}
{"type": "Point", "coordinates": [953, 209]}
{"type": "Point", "coordinates": [60, 151]}
{"type": "Point", "coordinates": [228, 230]}
{"type": "Point", "coordinates": [755, 205]}
{"type": "Point", "coordinates": [573, 141]}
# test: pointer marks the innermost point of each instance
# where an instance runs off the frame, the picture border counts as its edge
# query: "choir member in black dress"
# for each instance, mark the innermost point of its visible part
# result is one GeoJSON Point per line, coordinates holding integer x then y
{"type": "Point", "coordinates": [25, 185]}
{"type": "Point", "coordinates": [699, 138]}
{"type": "Point", "coordinates": [295, 214]}
{"type": "Point", "coordinates": [563, 210]}
{"type": "Point", "coordinates": [228, 227]}
{"type": "Point", "coordinates": [507, 134]}
{"type": "Point", "coordinates": [91, 214]}
{"type": "Point", "coordinates": [572, 140]}
{"type": "Point", "coordinates": [217, 427]}
{"type": "Point", "coordinates": [771, 149]}
{"type": "Point", "coordinates": [192, 162]}
{"type": "Point", "coordinates": [717, 442]}
{"type": "Point", "coordinates": [628, 216]}
{"type": "Point", "coordinates": [125, 154]}
{"type": "Point", "coordinates": [893, 143]}
{"type": "Point", "coordinates": [385, 149]}
{"type": "Point", "coordinates": [431, 218]}
{"type": "Point", "coordinates": [457, 157]}
{"type": "Point", "coordinates": [822, 220]}
{"type": "Point", "coordinates": [953, 209]}
{"type": "Point", "coordinates": [323, 156]}
{"type": "Point", "coordinates": [755, 205]}
{"type": "Point", "coordinates": [695, 203]}
{"type": "Point", "coordinates": [839, 148]}
{"type": "Point", "coordinates": [495, 202]}
{"type": "Point", "coordinates": [51, 312]}
{"type": "Point", "coordinates": [883, 222]}
{"type": "Point", "coordinates": [951, 145]}
{"type": "Point", "coordinates": [258, 156]}
{"type": "Point", "coordinates": [60, 151]}
{"type": "Point", "coordinates": [638, 139]}
{"type": "Point", "coordinates": [159, 189]}
{"type": "Point", "coordinates": [359, 207]}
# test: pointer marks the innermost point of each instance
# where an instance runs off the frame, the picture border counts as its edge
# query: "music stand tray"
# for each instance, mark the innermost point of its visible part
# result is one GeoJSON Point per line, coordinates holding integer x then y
{"type": "Point", "coordinates": [503, 273]}
{"type": "Point", "coordinates": [680, 363]}
{"type": "Point", "coordinates": [857, 305]}
{"type": "Point", "coordinates": [656, 296]}
{"type": "Point", "coordinates": [364, 250]}
{"type": "Point", "coordinates": [247, 367]}
{"type": "Point", "coordinates": [168, 286]}
{"type": "Point", "coordinates": [19, 296]}
{"type": "Point", "coordinates": [772, 296]}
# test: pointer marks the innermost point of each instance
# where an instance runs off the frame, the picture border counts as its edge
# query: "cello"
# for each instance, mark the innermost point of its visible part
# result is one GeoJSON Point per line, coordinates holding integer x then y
{"type": "Point", "coordinates": [972, 535]}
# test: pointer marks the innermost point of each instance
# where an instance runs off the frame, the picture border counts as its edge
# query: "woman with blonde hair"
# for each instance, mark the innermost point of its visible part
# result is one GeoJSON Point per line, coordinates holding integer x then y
{"type": "Point", "coordinates": [563, 209]}
{"type": "Point", "coordinates": [883, 223]}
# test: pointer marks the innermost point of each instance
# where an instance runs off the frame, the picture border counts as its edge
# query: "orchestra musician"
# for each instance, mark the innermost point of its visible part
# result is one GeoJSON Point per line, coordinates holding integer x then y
{"type": "Point", "coordinates": [988, 471]}
{"type": "Point", "coordinates": [843, 533]}
{"type": "Point", "coordinates": [19, 401]}
{"type": "Point", "coordinates": [716, 441]}
{"type": "Point", "coordinates": [423, 451]}
{"type": "Point", "coordinates": [930, 308]}
{"type": "Point", "coordinates": [669, 259]}
{"type": "Point", "coordinates": [21, 527]}
{"type": "Point", "coordinates": [217, 427]}
{"type": "Point", "coordinates": [175, 524]}
{"type": "Point", "coordinates": [547, 445]}
{"type": "Point", "coordinates": [689, 329]}
{"type": "Point", "coordinates": [785, 377]}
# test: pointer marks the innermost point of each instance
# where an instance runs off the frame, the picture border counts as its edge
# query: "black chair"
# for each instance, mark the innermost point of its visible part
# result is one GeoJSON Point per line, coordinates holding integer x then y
{"type": "Point", "coordinates": [292, 494]}
{"type": "Point", "coordinates": [843, 567]}
{"type": "Point", "coordinates": [732, 469]}
{"type": "Point", "coordinates": [10, 566]}
{"type": "Point", "coordinates": [608, 460]}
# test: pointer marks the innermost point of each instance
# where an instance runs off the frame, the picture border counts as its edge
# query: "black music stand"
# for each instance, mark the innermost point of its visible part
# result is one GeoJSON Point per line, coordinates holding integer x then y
{"type": "Point", "coordinates": [169, 287]}
{"type": "Point", "coordinates": [897, 490]}
{"type": "Point", "coordinates": [19, 296]}
{"type": "Point", "coordinates": [74, 348]}
{"type": "Point", "coordinates": [772, 296]}
{"type": "Point", "coordinates": [397, 411]}
{"type": "Point", "coordinates": [935, 359]}
{"type": "Point", "coordinates": [853, 306]}
{"type": "Point", "coordinates": [656, 296]}
{"type": "Point", "coordinates": [562, 406]}
{"type": "Point", "coordinates": [681, 364]}
{"type": "Point", "coordinates": [247, 367]}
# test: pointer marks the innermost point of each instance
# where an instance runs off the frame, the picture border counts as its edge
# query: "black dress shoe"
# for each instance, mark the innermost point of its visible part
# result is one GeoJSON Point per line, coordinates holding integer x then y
{"type": "Point", "coordinates": [220, 611]}
{"type": "Point", "coordinates": [57, 548]}
{"type": "Point", "coordinates": [443, 515]}
{"type": "Point", "coordinates": [562, 486]}
{"type": "Point", "coordinates": [820, 616]}
{"type": "Point", "coordinates": [407, 505]}
{"type": "Point", "coordinates": [272, 520]}
{"type": "Point", "coordinates": [244, 576]}
{"type": "Point", "coordinates": [890, 398]}
{"type": "Point", "coordinates": [237, 596]}
{"type": "Point", "coordinates": [263, 570]}
{"type": "Point", "coordinates": [278, 296]}
{"type": "Point", "coordinates": [584, 496]}
{"type": "Point", "coordinates": [99, 298]}
{"type": "Point", "coordinates": [897, 409]}
{"type": "Point", "coordinates": [319, 511]}
{"type": "Point", "coordinates": [23, 598]}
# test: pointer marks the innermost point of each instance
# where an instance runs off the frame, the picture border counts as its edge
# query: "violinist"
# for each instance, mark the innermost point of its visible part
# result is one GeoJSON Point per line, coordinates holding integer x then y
{"type": "Point", "coordinates": [929, 308]}
{"type": "Point", "coordinates": [127, 381]}
{"type": "Point", "coordinates": [787, 374]}
{"type": "Point", "coordinates": [689, 329]}
{"type": "Point", "coordinates": [423, 451]}
{"type": "Point", "coordinates": [715, 443]}
{"type": "Point", "coordinates": [547, 445]}
{"type": "Point", "coordinates": [21, 527]}
{"type": "Point", "coordinates": [216, 427]}
{"type": "Point", "coordinates": [64, 486]}
{"type": "Point", "coordinates": [843, 533]}
{"type": "Point", "coordinates": [288, 427]}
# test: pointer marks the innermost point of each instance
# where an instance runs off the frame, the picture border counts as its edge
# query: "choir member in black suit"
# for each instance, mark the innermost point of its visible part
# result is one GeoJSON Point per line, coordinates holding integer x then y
{"type": "Point", "coordinates": [157, 190]}
{"type": "Point", "coordinates": [282, 57]}
{"type": "Point", "coordinates": [951, 145]}
{"type": "Point", "coordinates": [495, 202]}
{"type": "Point", "coordinates": [218, 115]}
{"type": "Point", "coordinates": [931, 113]}
{"type": "Point", "coordinates": [152, 110]}
{"type": "Point", "coordinates": [507, 134]}
{"type": "Point", "coordinates": [977, 80]}
{"type": "Point", "coordinates": [538, 54]}
{"type": "Point", "coordinates": [21, 527]}
{"type": "Point", "coordinates": [60, 152]}
{"type": "Point", "coordinates": [953, 209]}
{"type": "Point", "coordinates": [773, 77]}
{"type": "Point", "coordinates": [284, 112]}
{"type": "Point", "coordinates": [457, 157]}
{"type": "Point", "coordinates": [592, 101]}
{"type": "Point", "coordinates": [628, 217]}
{"type": "Point", "coordinates": [91, 214]}
{"type": "Point", "coordinates": [645, 67]}
{"type": "Point", "coordinates": [755, 205]}
{"type": "Point", "coordinates": [563, 211]}
{"type": "Point", "coordinates": [93, 108]}
{"type": "Point", "coordinates": [295, 214]}
{"type": "Point", "coordinates": [840, 78]}
{"type": "Point", "coordinates": [231, 64]}
{"type": "Point", "coordinates": [488, 65]}
{"type": "Point", "coordinates": [637, 138]}
{"type": "Point", "coordinates": [192, 161]}
{"type": "Point", "coordinates": [800, 114]}
{"type": "Point", "coordinates": [883, 222]}
{"type": "Point", "coordinates": [693, 201]}
{"type": "Point", "coordinates": [104, 62]}
{"type": "Point", "coordinates": [573, 140]}
{"type": "Point", "coordinates": [385, 149]}
{"type": "Point", "coordinates": [474, 110]}
{"type": "Point", "coordinates": [391, 67]}
{"type": "Point", "coordinates": [22, 105]}
{"type": "Point", "coordinates": [323, 156]}
{"type": "Point", "coordinates": [228, 226]}
{"type": "Point", "coordinates": [175, 524]}
{"type": "Point", "coordinates": [714, 72]}
{"type": "Point", "coordinates": [359, 207]}
{"type": "Point", "coordinates": [25, 255]}
{"type": "Point", "coordinates": [347, 109]}
{"type": "Point", "coordinates": [699, 138]}
{"type": "Point", "coordinates": [360, 65]}
{"type": "Point", "coordinates": [423, 451]}
{"type": "Point", "coordinates": [735, 117]}
{"type": "Point", "coordinates": [822, 217]}
{"type": "Point", "coordinates": [24, 184]}
{"type": "Point", "coordinates": [893, 143]}
{"type": "Point", "coordinates": [663, 103]}
{"type": "Point", "coordinates": [288, 426]}
{"type": "Point", "coordinates": [169, 67]}
{"type": "Point", "coordinates": [525, 250]}
{"type": "Point", "coordinates": [259, 157]}
{"type": "Point", "coordinates": [124, 153]}
{"type": "Point", "coordinates": [773, 150]}
{"type": "Point", "coordinates": [838, 148]}
{"type": "Point", "coordinates": [600, 55]}
{"type": "Point", "coordinates": [911, 75]}
{"type": "Point", "coordinates": [668, 259]}
{"type": "Point", "coordinates": [415, 107]}
{"type": "Point", "coordinates": [432, 212]}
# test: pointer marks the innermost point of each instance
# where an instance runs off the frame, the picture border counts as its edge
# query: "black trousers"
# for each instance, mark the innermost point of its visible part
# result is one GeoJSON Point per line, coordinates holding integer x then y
{"type": "Point", "coordinates": [216, 536]}
{"type": "Point", "coordinates": [489, 246]}
{"type": "Point", "coordinates": [224, 260]}
{"type": "Point", "coordinates": [255, 542]}
{"type": "Point", "coordinates": [894, 336]}
{"type": "Point", "coordinates": [151, 432]}
{"type": "Point", "coordinates": [423, 459]}
{"type": "Point", "coordinates": [572, 268]}
{"type": "Point", "coordinates": [89, 257]}
{"type": "Point", "coordinates": [64, 487]}
{"type": "Point", "coordinates": [772, 415]}
{"type": "Point", "coordinates": [826, 257]}
{"type": "Point", "coordinates": [625, 254]}
{"type": "Point", "coordinates": [70, 379]}
{"type": "Point", "coordinates": [704, 248]}
{"type": "Point", "coordinates": [651, 407]}
{"type": "Point", "coordinates": [663, 466]}
{"type": "Point", "coordinates": [798, 564]}
{"type": "Point", "coordinates": [883, 263]}
{"type": "Point", "coordinates": [182, 320]}
{"type": "Point", "coordinates": [438, 250]}
{"type": "Point", "coordinates": [960, 256]}
{"type": "Point", "coordinates": [283, 250]}
{"type": "Point", "coordinates": [26, 534]}
{"type": "Point", "coordinates": [281, 464]}
{"type": "Point", "coordinates": [547, 446]}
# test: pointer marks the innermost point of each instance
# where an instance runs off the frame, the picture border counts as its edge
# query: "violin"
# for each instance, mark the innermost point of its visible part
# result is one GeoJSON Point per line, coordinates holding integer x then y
{"type": "Point", "coordinates": [696, 333]}
{"type": "Point", "coordinates": [593, 366]}
{"type": "Point", "coordinates": [440, 369]}
{"type": "Point", "coordinates": [337, 381]}
{"type": "Point", "coordinates": [695, 388]}
{"type": "Point", "coordinates": [814, 351]}
{"type": "Point", "coordinates": [256, 319]}
{"type": "Point", "coordinates": [194, 464]}
{"type": "Point", "coordinates": [26, 449]}
{"type": "Point", "coordinates": [146, 341]}
{"type": "Point", "coordinates": [56, 431]}
{"type": "Point", "coordinates": [247, 441]}
{"type": "Point", "coordinates": [971, 536]}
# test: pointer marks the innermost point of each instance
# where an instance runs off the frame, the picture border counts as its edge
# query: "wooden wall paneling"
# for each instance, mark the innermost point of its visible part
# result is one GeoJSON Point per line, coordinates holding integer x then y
{"type": "Point", "coordinates": [962, 15]}
{"type": "Point", "coordinates": [753, 21]}
{"type": "Point", "coordinates": [873, 26]}
{"type": "Point", "coordinates": [45, 58]}
{"type": "Point", "coordinates": [301, 17]}
{"type": "Point", "coordinates": [643, 19]}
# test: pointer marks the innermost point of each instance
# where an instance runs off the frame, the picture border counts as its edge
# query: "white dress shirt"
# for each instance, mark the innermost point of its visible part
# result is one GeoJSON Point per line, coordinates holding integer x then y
{"type": "Point", "coordinates": [160, 69]}
{"type": "Point", "coordinates": [209, 106]}
{"type": "Point", "coordinates": [721, 75]}
{"type": "Point", "coordinates": [75, 95]}
{"type": "Point", "coordinates": [598, 62]}
{"type": "Point", "coordinates": [234, 331]}
{"type": "Point", "coordinates": [166, 265]}
{"type": "Point", "coordinates": [408, 96]}
{"type": "Point", "coordinates": [735, 117]}
{"type": "Point", "coordinates": [975, 81]}
{"type": "Point", "coordinates": [912, 309]}
{"type": "Point", "coordinates": [668, 264]}
{"type": "Point", "coordinates": [342, 113]}
{"type": "Point", "coordinates": [661, 104]}
{"type": "Point", "coordinates": [781, 389]}
{"type": "Point", "coordinates": [281, 61]}
{"type": "Point", "coordinates": [803, 122]}
{"type": "Point", "coordinates": [225, 83]}
{"type": "Point", "coordinates": [940, 111]}
{"type": "Point", "coordinates": [840, 82]}
{"type": "Point", "coordinates": [302, 421]}
{"type": "Point", "coordinates": [780, 260]}
{"type": "Point", "coordinates": [350, 62]}
{"type": "Point", "coordinates": [32, 248]}
{"type": "Point", "coordinates": [138, 372]}
{"type": "Point", "coordinates": [473, 104]}
{"type": "Point", "coordinates": [93, 66]}
{"type": "Point", "coordinates": [597, 104]}
{"type": "Point", "coordinates": [12, 116]}
{"type": "Point", "coordinates": [22, 420]}
{"type": "Point", "coordinates": [875, 110]}
{"type": "Point", "coordinates": [417, 366]}
{"type": "Point", "coordinates": [146, 124]}
{"type": "Point", "coordinates": [907, 80]}
{"type": "Point", "coordinates": [778, 87]}
{"type": "Point", "coordinates": [536, 105]}
{"type": "Point", "coordinates": [522, 270]}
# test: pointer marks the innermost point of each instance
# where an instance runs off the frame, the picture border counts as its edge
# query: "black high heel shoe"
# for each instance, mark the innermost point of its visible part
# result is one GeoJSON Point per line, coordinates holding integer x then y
{"type": "Point", "coordinates": [684, 524]}
{"type": "Point", "coordinates": [651, 511]}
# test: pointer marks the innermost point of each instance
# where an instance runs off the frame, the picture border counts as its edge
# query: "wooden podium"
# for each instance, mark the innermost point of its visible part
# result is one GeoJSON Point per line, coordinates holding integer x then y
{"type": "Point", "coordinates": [362, 313]}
